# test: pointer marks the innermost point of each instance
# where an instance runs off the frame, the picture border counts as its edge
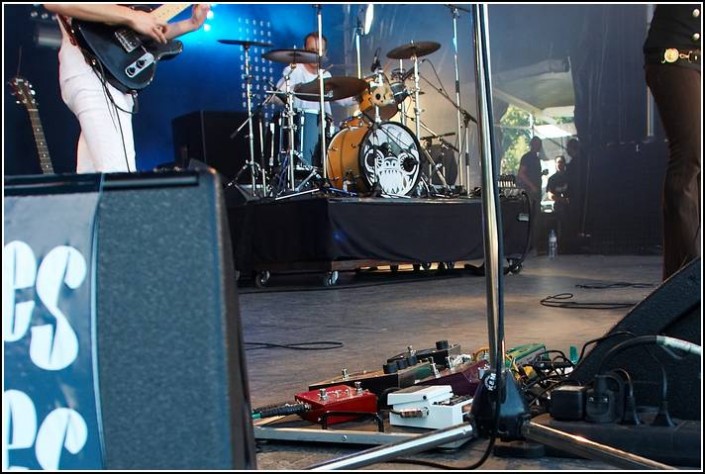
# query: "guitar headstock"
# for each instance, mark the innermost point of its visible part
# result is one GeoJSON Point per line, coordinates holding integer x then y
{"type": "Point", "coordinates": [23, 92]}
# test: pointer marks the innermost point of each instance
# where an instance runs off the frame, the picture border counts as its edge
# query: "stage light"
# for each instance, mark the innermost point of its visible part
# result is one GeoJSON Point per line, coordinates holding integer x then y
{"type": "Point", "coordinates": [369, 16]}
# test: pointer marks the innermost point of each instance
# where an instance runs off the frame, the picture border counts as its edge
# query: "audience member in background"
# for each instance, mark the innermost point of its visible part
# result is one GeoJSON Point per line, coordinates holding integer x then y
{"type": "Point", "coordinates": [529, 179]}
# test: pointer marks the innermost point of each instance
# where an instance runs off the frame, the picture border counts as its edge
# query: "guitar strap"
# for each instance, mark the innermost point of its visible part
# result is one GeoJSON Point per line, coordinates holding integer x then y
{"type": "Point", "coordinates": [69, 29]}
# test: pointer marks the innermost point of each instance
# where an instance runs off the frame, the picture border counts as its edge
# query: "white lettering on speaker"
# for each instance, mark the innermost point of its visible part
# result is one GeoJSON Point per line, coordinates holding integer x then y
{"type": "Point", "coordinates": [19, 271]}
{"type": "Point", "coordinates": [54, 347]}
{"type": "Point", "coordinates": [19, 425]}
{"type": "Point", "coordinates": [62, 428]}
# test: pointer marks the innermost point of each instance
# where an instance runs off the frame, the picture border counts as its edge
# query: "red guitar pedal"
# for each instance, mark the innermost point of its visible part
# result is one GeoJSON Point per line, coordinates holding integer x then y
{"type": "Point", "coordinates": [338, 398]}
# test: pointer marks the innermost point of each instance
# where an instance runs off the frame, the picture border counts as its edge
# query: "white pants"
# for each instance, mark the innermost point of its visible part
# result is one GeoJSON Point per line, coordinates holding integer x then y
{"type": "Point", "coordinates": [106, 143]}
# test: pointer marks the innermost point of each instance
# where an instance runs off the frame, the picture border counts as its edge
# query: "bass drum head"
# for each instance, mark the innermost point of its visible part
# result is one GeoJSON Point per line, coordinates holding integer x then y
{"type": "Point", "coordinates": [389, 155]}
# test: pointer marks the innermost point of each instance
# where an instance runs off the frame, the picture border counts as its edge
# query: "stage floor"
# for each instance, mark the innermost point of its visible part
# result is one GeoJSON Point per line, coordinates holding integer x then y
{"type": "Point", "coordinates": [375, 315]}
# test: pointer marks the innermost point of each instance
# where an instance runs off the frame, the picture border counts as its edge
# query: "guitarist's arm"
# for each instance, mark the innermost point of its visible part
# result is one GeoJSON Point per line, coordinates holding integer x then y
{"type": "Point", "coordinates": [113, 14]}
{"type": "Point", "coordinates": [198, 17]}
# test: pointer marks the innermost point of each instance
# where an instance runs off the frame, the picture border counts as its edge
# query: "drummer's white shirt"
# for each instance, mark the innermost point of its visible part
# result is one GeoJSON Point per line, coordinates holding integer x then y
{"type": "Point", "coordinates": [301, 75]}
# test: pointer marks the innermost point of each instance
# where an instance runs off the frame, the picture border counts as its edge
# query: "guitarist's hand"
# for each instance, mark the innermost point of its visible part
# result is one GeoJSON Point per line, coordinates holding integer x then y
{"type": "Point", "coordinates": [198, 17]}
{"type": "Point", "coordinates": [147, 24]}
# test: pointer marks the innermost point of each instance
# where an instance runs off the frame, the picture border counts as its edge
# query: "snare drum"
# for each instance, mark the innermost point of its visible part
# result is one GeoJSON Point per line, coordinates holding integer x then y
{"type": "Point", "coordinates": [378, 93]}
{"type": "Point", "coordinates": [386, 153]}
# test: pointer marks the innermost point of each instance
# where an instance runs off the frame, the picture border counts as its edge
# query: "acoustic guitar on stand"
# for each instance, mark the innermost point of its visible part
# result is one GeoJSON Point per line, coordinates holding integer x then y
{"type": "Point", "coordinates": [127, 59]}
{"type": "Point", "coordinates": [24, 93]}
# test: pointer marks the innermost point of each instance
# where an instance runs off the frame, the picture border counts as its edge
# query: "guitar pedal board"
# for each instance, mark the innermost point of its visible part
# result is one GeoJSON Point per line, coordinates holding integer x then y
{"type": "Point", "coordinates": [337, 398]}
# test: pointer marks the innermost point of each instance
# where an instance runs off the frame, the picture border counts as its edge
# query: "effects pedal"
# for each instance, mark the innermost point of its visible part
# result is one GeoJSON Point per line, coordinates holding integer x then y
{"type": "Point", "coordinates": [394, 375]}
{"type": "Point", "coordinates": [430, 407]}
{"type": "Point", "coordinates": [463, 379]}
{"type": "Point", "coordinates": [338, 398]}
{"type": "Point", "coordinates": [524, 354]}
{"type": "Point", "coordinates": [439, 354]}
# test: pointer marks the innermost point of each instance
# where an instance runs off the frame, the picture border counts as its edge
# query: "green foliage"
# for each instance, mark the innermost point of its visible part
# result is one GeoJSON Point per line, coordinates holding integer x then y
{"type": "Point", "coordinates": [516, 134]}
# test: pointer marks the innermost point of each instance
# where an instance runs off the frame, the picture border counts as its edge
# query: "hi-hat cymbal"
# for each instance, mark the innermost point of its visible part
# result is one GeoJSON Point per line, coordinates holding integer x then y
{"type": "Point", "coordinates": [334, 88]}
{"type": "Point", "coordinates": [245, 43]}
{"type": "Point", "coordinates": [290, 56]}
{"type": "Point", "coordinates": [422, 48]}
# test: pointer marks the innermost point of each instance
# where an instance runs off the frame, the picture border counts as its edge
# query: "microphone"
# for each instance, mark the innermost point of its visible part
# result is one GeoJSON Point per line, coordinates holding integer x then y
{"type": "Point", "coordinates": [375, 63]}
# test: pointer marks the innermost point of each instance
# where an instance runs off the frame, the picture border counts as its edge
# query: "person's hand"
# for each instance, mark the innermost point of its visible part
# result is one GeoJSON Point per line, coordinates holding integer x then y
{"type": "Point", "coordinates": [148, 25]}
{"type": "Point", "coordinates": [198, 14]}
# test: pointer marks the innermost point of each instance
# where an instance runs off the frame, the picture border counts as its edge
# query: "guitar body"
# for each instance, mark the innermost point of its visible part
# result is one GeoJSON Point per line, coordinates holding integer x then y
{"type": "Point", "coordinates": [128, 60]}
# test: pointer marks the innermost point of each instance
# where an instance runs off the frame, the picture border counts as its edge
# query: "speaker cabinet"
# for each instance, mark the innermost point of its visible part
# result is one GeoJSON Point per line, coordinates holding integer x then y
{"type": "Point", "coordinates": [673, 309]}
{"type": "Point", "coordinates": [209, 137]}
{"type": "Point", "coordinates": [169, 366]}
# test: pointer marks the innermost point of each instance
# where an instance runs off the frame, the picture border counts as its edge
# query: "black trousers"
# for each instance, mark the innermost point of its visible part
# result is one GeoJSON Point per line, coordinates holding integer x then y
{"type": "Point", "coordinates": [677, 92]}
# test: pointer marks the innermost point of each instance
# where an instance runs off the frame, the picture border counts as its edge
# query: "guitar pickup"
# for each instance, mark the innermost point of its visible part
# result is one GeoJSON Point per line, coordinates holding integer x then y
{"type": "Point", "coordinates": [146, 60]}
{"type": "Point", "coordinates": [128, 40]}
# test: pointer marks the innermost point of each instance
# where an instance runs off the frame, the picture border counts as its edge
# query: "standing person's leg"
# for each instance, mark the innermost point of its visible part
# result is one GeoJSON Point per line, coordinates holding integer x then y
{"type": "Point", "coordinates": [677, 92]}
{"type": "Point", "coordinates": [106, 143]}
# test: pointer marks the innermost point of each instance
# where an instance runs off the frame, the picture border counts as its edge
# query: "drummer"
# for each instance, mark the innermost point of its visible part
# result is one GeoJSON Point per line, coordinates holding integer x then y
{"type": "Point", "coordinates": [310, 109]}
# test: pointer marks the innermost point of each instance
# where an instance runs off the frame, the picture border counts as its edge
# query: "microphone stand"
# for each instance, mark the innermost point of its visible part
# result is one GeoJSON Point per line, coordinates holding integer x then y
{"type": "Point", "coordinates": [462, 160]}
{"type": "Point", "coordinates": [467, 117]}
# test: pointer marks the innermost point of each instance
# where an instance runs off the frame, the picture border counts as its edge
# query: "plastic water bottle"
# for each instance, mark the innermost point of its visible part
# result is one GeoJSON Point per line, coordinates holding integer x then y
{"type": "Point", "coordinates": [552, 244]}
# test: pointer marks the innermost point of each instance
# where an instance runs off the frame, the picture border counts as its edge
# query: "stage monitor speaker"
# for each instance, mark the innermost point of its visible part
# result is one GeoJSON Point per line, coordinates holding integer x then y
{"type": "Point", "coordinates": [170, 369]}
{"type": "Point", "coordinates": [206, 137]}
{"type": "Point", "coordinates": [674, 310]}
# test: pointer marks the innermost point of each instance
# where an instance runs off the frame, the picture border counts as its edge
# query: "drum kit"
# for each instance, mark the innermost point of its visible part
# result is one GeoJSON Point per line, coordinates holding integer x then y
{"type": "Point", "coordinates": [369, 155]}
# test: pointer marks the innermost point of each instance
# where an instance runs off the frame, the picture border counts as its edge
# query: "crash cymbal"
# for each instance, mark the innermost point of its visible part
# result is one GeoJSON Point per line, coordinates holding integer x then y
{"type": "Point", "coordinates": [334, 88]}
{"type": "Point", "coordinates": [422, 48]}
{"type": "Point", "coordinates": [290, 56]}
{"type": "Point", "coordinates": [245, 43]}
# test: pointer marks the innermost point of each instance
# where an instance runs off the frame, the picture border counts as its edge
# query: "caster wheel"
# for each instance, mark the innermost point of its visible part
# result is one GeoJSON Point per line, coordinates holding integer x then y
{"type": "Point", "coordinates": [330, 279]}
{"type": "Point", "coordinates": [262, 278]}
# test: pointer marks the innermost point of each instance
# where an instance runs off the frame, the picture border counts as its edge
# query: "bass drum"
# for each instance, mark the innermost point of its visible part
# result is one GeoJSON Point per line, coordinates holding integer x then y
{"type": "Point", "coordinates": [386, 153]}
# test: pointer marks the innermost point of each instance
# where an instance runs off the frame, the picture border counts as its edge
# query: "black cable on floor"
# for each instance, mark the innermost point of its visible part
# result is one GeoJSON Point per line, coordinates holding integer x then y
{"type": "Point", "coordinates": [558, 301]}
{"type": "Point", "coordinates": [621, 284]}
{"type": "Point", "coordinates": [297, 346]}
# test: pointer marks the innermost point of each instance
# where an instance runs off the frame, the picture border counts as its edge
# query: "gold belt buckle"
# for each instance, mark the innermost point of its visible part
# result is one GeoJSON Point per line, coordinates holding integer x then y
{"type": "Point", "coordinates": [671, 55]}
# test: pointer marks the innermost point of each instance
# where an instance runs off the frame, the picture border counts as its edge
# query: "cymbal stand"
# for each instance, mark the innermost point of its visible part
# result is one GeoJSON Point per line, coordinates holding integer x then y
{"type": "Point", "coordinates": [251, 163]}
{"type": "Point", "coordinates": [289, 113]}
{"type": "Point", "coordinates": [321, 92]}
{"type": "Point", "coordinates": [403, 102]}
{"type": "Point", "coordinates": [417, 102]}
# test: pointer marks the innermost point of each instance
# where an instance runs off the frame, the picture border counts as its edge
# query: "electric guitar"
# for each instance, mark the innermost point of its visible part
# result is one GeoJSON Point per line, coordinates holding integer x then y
{"type": "Point", "coordinates": [23, 91]}
{"type": "Point", "coordinates": [127, 59]}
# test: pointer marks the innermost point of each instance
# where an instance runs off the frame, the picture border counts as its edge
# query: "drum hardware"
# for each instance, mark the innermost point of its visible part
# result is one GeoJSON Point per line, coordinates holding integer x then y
{"type": "Point", "coordinates": [413, 51]}
{"type": "Point", "coordinates": [465, 129]}
{"type": "Point", "coordinates": [462, 137]}
{"type": "Point", "coordinates": [253, 166]}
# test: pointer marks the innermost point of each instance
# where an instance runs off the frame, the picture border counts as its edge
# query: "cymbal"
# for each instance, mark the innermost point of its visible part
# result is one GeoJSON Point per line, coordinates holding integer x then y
{"type": "Point", "coordinates": [290, 56]}
{"type": "Point", "coordinates": [334, 88]}
{"type": "Point", "coordinates": [245, 43]}
{"type": "Point", "coordinates": [422, 48]}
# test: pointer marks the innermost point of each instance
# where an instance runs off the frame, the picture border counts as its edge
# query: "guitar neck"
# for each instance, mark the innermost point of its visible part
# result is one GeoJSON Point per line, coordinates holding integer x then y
{"type": "Point", "coordinates": [169, 10]}
{"type": "Point", "coordinates": [42, 149]}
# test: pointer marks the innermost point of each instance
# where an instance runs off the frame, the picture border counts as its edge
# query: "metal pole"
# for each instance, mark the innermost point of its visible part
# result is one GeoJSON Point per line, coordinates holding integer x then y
{"type": "Point", "coordinates": [461, 159]}
{"type": "Point", "coordinates": [324, 157]}
{"type": "Point", "coordinates": [248, 92]}
{"type": "Point", "coordinates": [588, 449]}
{"type": "Point", "coordinates": [395, 450]}
{"type": "Point", "coordinates": [490, 193]}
